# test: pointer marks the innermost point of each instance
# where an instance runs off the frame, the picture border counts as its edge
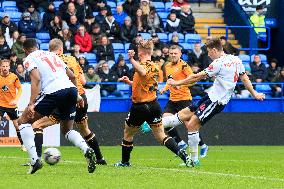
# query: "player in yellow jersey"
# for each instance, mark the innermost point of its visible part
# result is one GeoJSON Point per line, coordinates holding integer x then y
{"type": "Point", "coordinates": [81, 118]}
{"type": "Point", "coordinates": [10, 93]}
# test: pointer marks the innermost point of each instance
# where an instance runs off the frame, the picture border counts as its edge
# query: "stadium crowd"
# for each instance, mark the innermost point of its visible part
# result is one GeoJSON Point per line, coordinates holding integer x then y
{"type": "Point", "coordinates": [81, 32]}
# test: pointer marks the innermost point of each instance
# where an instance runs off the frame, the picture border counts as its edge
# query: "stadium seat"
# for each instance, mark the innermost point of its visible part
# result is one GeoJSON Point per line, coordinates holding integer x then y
{"type": "Point", "coordinates": [192, 38]}
{"type": "Point", "coordinates": [9, 4]}
{"type": "Point", "coordinates": [95, 13]}
{"type": "Point", "coordinates": [44, 46]}
{"type": "Point", "coordinates": [163, 37]}
{"type": "Point", "coordinates": [10, 9]}
{"type": "Point", "coordinates": [168, 6]}
{"type": "Point", "coordinates": [184, 57]}
{"type": "Point", "coordinates": [112, 5]}
{"type": "Point", "coordinates": [43, 37]}
{"type": "Point", "coordinates": [130, 66]}
{"type": "Point", "coordinates": [160, 6]}
{"type": "Point", "coordinates": [263, 88]}
{"type": "Point", "coordinates": [56, 4]}
{"type": "Point", "coordinates": [118, 47]}
{"type": "Point", "coordinates": [123, 87]}
{"type": "Point", "coordinates": [146, 35]}
{"type": "Point", "coordinates": [126, 47]}
{"type": "Point", "coordinates": [180, 36]}
{"type": "Point", "coordinates": [110, 64]}
{"type": "Point", "coordinates": [91, 57]}
{"type": "Point", "coordinates": [15, 16]}
{"type": "Point", "coordinates": [187, 46]}
{"type": "Point", "coordinates": [164, 16]}
{"type": "Point", "coordinates": [244, 57]}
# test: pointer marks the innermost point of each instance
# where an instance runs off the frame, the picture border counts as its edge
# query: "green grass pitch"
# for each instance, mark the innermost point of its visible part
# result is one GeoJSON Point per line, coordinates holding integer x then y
{"type": "Point", "coordinates": [152, 167]}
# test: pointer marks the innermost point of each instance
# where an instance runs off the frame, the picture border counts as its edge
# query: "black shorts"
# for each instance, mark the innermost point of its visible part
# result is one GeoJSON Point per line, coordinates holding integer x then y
{"type": "Point", "coordinates": [174, 107]}
{"type": "Point", "coordinates": [11, 112]}
{"type": "Point", "coordinates": [141, 112]}
{"type": "Point", "coordinates": [64, 101]}
{"type": "Point", "coordinates": [205, 109]}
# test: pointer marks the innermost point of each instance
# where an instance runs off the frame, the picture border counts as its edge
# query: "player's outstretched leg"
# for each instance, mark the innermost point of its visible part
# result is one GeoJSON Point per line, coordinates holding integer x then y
{"type": "Point", "coordinates": [38, 141]}
{"type": "Point", "coordinates": [203, 147]}
{"type": "Point", "coordinates": [173, 132]}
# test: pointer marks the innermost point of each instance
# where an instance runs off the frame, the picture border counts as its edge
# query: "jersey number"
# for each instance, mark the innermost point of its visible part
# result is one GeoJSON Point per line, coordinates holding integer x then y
{"type": "Point", "coordinates": [53, 64]}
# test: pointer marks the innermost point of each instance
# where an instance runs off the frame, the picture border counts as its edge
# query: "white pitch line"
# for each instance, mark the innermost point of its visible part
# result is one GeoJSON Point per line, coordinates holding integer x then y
{"type": "Point", "coordinates": [189, 170]}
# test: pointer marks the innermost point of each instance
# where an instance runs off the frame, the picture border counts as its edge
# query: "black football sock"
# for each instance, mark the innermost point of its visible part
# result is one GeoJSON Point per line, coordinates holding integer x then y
{"type": "Point", "coordinates": [126, 150]}
{"type": "Point", "coordinates": [171, 144]}
{"type": "Point", "coordinates": [19, 136]}
{"type": "Point", "coordinates": [38, 141]}
{"type": "Point", "coordinates": [201, 143]}
{"type": "Point", "coordinates": [172, 131]}
{"type": "Point", "coordinates": [92, 141]}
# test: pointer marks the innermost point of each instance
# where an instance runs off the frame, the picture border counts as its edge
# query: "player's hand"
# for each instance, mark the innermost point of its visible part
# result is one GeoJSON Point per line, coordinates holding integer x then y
{"type": "Point", "coordinates": [80, 102]}
{"type": "Point", "coordinates": [131, 54]}
{"type": "Point", "coordinates": [13, 103]}
{"type": "Point", "coordinates": [259, 96]}
{"type": "Point", "coordinates": [163, 90]}
{"type": "Point", "coordinates": [172, 82]}
{"type": "Point", "coordinates": [124, 79]}
{"type": "Point", "coordinates": [30, 110]}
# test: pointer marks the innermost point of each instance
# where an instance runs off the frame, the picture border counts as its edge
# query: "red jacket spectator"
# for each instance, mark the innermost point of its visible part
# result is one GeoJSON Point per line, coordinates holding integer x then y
{"type": "Point", "coordinates": [83, 39]}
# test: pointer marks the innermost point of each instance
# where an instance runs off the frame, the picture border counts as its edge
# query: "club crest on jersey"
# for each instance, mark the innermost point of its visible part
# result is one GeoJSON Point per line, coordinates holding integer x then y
{"type": "Point", "coordinates": [5, 88]}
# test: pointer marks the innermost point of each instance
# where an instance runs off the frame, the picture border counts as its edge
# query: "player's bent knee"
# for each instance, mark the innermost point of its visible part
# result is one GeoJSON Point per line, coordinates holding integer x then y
{"type": "Point", "coordinates": [185, 114]}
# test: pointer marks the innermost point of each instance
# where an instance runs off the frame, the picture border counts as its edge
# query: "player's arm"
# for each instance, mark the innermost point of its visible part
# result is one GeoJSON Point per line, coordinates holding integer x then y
{"type": "Point", "coordinates": [71, 76]}
{"type": "Point", "coordinates": [249, 87]}
{"type": "Point", "coordinates": [83, 79]}
{"type": "Point", "coordinates": [35, 85]}
{"type": "Point", "coordinates": [19, 92]}
{"type": "Point", "coordinates": [140, 69]}
{"type": "Point", "coordinates": [126, 80]}
{"type": "Point", "coordinates": [190, 80]}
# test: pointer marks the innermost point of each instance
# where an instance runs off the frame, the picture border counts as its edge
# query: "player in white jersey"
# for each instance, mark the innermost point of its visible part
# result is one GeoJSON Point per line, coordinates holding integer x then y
{"type": "Point", "coordinates": [50, 89]}
{"type": "Point", "coordinates": [226, 69]}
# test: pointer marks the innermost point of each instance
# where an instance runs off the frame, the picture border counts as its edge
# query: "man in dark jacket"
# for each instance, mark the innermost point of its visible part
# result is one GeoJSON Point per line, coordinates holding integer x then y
{"type": "Point", "coordinates": [120, 68]}
{"type": "Point", "coordinates": [111, 27]}
{"type": "Point", "coordinates": [48, 16]}
{"type": "Point", "coordinates": [198, 57]}
{"type": "Point", "coordinates": [7, 23]}
{"type": "Point", "coordinates": [258, 69]}
{"type": "Point", "coordinates": [100, 18]}
{"type": "Point", "coordinates": [27, 26]}
{"type": "Point", "coordinates": [134, 45]}
{"type": "Point", "coordinates": [228, 47]}
{"type": "Point", "coordinates": [105, 50]}
{"type": "Point", "coordinates": [5, 50]}
{"type": "Point", "coordinates": [187, 20]}
{"type": "Point", "coordinates": [128, 30]}
{"type": "Point", "coordinates": [130, 7]}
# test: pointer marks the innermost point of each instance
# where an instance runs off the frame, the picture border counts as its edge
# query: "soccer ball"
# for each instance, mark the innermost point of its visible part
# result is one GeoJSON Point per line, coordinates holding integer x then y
{"type": "Point", "coordinates": [52, 156]}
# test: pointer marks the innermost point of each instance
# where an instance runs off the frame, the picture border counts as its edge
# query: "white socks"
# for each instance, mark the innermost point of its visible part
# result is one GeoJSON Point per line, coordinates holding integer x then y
{"type": "Point", "coordinates": [171, 121]}
{"type": "Point", "coordinates": [74, 137]}
{"type": "Point", "coordinates": [28, 136]}
{"type": "Point", "coordinates": [193, 140]}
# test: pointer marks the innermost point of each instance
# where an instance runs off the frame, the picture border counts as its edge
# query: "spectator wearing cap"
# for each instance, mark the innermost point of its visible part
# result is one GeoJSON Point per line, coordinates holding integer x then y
{"type": "Point", "coordinates": [175, 41]}
{"type": "Point", "coordinates": [197, 57]}
{"type": "Point", "coordinates": [11, 39]}
{"type": "Point", "coordinates": [67, 39]}
{"type": "Point", "coordinates": [73, 24]}
{"type": "Point", "coordinates": [258, 69]}
{"type": "Point", "coordinates": [35, 16]}
{"type": "Point", "coordinates": [27, 26]}
{"type": "Point", "coordinates": [83, 38]}
{"type": "Point", "coordinates": [155, 23]}
{"type": "Point", "coordinates": [187, 20]}
{"type": "Point", "coordinates": [112, 29]}
{"type": "Point", "coordinates": [14, 61]}
{"type": "Point", "coordinates": [5, 50]}
{"type": "Point", "coordinates": [273, 70]}
{"type": "Point", "coordinates": [55, 28]}
{"type": "Point", "coordinates": [22, 74]}
{"type": "Point", "coordinates": [91, 76]}
{"type": "Point", "coordinates": [86, 11]}
{"type": "Point", "coordinates": [105, 50]}
{"type": "Point", "coordinates": [120, 68]}
{"type": "Point", "coordinates": [140, 21]}
{"type": "Point", "coordinates": [95, 34]}
{"type": "Point", "coordinates": [100, 18]}
{"type": "Point", "coordinates": [158, 44]}
{"type": "Point", "coordinates": [83, 62]}
{"type": "Point", "coordinates": [119, 14]}
{"type": "Point", "coordinates": [71, 10]}
{"type": "Point", "coordinates": [145, 6]}
{"type": "Point", "coordinates": [228, 47]}
{"type": "Point", "coordinates": [17, 47]}
{"type": "Point", "coordinates": [173, 23]}
{"type": "Point", "coordinates": [7, 23]}
{"type": "Point", "coordinates": [128, 30]}
{"type": "Point", "coordinates": [134, 45]}
{"type": "Point", "coordinates": [48, 16]}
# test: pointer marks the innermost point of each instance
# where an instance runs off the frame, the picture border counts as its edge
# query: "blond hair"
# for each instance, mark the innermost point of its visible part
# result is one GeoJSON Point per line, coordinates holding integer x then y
{"type": "Point", "coordinates": [146, 46]}
{"type": "Point", "coordinates": [55, 44]}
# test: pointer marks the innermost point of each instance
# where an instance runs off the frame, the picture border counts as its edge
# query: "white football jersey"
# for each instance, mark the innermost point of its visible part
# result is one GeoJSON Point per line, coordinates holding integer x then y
{"type": "Point", "coordinates": [52, 71]}
{"type": "Point", "coordinates": [226, 71]}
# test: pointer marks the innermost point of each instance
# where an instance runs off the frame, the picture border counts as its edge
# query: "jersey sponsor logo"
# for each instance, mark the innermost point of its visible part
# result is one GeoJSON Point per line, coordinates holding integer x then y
{"type": "Point", "coordinates": [156, 120]}
{"type": "Point", "coordinates": [210, 68]}
{"type": "Point", "coordinates": [202, 107]}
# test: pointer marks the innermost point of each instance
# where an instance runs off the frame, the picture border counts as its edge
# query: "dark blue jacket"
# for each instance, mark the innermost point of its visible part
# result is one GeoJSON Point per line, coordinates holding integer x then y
{"type": "Point", "coordinates": [28, 27]}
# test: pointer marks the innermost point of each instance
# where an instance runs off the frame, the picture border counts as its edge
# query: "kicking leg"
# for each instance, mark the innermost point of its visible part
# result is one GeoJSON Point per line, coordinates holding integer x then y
{"type": "Point", "coordinates": [177, 119]}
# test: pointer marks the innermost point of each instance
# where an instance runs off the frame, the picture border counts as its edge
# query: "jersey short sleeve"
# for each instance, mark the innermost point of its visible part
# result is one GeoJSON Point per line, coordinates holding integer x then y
{"type": "Point", "coordinates": [17, 82]}
{"type": "Point", "coordinates": [187, 70]}
{"type": "Point", "coordinates": [213, 69]}
{"type": "Point", "coordinates": [29, 64]}
{"type": "Point", "coordinates": [242, 69]}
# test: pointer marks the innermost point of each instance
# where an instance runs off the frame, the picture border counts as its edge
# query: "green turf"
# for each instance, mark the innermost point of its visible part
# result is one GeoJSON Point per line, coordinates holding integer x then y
{"type": "Point", "coordinates": [152, 167]}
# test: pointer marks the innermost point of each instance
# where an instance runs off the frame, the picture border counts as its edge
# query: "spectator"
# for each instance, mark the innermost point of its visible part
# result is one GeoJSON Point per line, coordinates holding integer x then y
{"type": "Point", "coordinates": [96, 34]}
{"type": "Point", "coordinates": [86, 11]}
{"type": "Point", "coordinates": [145, 6]}
{"type": "Point", "coordinates": [55, 28]}
{"type": "Point", "coordinates": [91, 76]}
{"type": "Point", "coordinates": [130, 7]}
{"type": "Point", "coordinates": [140, 21]}
{"type": "Point", "coordinates": [277, 90]}
{"type": "Point", "coordinates": [7, 23]}
{"type": "Point", "coordinates": [22, 74]}
{"type": "Point", "coordinates": [67, 39]}
{"type": "Point", "coordinates": [63, 7]}
{"type": "Point", "coordinates": [5, 50]}
{"type": "Point", "coordinates": [17, 47]}
{"type": "Point", "coordinates": [101, 17]}
{"type": "Point", "coordinates": [48, 16]}
{"type": "Point", "coordinates": [177, 4]}
{"type": "Point", "coordinates": [73, 24]}
{"type": "Point", "coordinates": [71, 10]}
{"type": "Point", "coordinates": [83, 63]}
{"type": "Point", "coordinates": [134, 45]}
{"type": "Point", "coordinates": [105, 51]}
{"type": "Point", "coordinates": [11, 40]}
{"type": "Point", "coordinates": [197, 57]}
{"type": "Point", "coordinates": [27, 26]}
{"type": "Point", "coordinates": [196, 90]}
{"type": "Point", "coordinates": [173, 23]}
{"type": "Point", "coordinates": [120, 68]}
{"type": "Point", "coordinates": [35, 16]}
{"type": "Point", "coordinates": [155, 23]}
{"type": "Point", "coordinates": [273, 70]}
{"type": "Point", "coordinates": [84, 39]}
{"type": "Point", "coordinates": [112, 29]}
{"type": "Point", "coordinates": [119, 14]}
{"type": "Point", "coordinates": [175, 41]}
{"type": "Point", "coordinates": [258, 19]}
{"type": "Point", "coordinates": [258, 69]}
{"type": "Point", "coordinates": [14, 62]}
{"type": "Point", "coordinates": [128, 30]}
{"type": "Point", "coordinates": [157, 43]}
{"type": "Point", "coordinates": [107, 76]}
{"type": "Point", "coordinates": [165, 53]}
{"type": "Point", "coordinates": [22, 5]}
{"type": "Point", "coordinates": [187, 20]}
{"type": "Point", "coordinates": [76, 51]}
{"type": "Point", "coordinates": [228, 47]}
{"type": "Point", "coordinates": [98, 4]}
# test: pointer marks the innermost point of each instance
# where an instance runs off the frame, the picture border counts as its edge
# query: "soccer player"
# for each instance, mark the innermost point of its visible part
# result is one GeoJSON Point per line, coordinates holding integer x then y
{"type": "Point", "coordinates": [81, 118]}
{"type": "Point", "coordinates": [226, 69]}
{"type": "Point", "coordinates": [145, 106]}
{"type": "Point", "coordinates": [180, 97]}
{"type": "Point", "coordinates": [11, 91]}
{"type": "Point", "coordinates": [50, 89]}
